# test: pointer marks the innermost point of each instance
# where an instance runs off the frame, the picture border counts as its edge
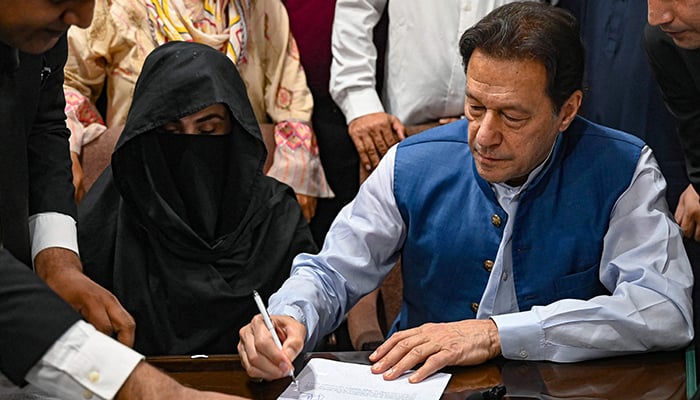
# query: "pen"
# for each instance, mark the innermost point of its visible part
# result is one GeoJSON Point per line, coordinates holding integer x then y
{"type": "Point", "coordinates": [270, 327]}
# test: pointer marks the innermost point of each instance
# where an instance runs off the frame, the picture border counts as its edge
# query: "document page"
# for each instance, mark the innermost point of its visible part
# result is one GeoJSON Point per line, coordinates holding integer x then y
{"type": "Point", "coordinates": [323, 379]}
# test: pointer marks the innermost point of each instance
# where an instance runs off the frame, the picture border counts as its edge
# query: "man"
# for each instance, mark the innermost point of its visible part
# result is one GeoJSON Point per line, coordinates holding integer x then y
{"type": "Point", "coordinates": [423, 81]}
{"type": "Point", "coordinates": [42, 340]}
{"type": "Point", "coordinates": [524, 231]}
{"type": "Point", "coordinates": [673, 45]}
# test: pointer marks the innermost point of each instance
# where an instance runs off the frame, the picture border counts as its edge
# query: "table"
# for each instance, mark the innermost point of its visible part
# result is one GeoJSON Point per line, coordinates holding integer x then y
{"type": "Point", "coordinates": [652, 376]}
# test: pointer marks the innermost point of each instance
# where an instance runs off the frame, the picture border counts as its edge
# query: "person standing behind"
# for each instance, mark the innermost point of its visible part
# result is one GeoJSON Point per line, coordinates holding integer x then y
{"type": "Point", "coordinates": [423, 81]}
{"type": "Point", "coordinates": [254, 34]}
{"type": "Point", "coordinates": [42, 339]}
{"type": "Point", "coordinates": [672, 41]}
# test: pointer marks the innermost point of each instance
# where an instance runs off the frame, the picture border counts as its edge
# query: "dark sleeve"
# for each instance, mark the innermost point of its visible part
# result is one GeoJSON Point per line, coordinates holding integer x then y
{"type": "Point", "coordinates": [50, 175]}
{"type": "Point", "coordinates": [32, 318]}
{"type": "Point", "coordinates": [674, 73]}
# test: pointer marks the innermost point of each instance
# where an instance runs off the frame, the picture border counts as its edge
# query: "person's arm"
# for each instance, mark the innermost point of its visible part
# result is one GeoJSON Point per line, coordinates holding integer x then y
{"type": "Point", "coordinates": [361, 247]}
{"type": "Point", "coordinates": [353, 80]}
{"type": "Point", "coordinates": [84, 363]}
{"type": "Point", "coordinates": [56, 259]}
{"type": "Point", "coordinates": [353, 69]}
{"type": "Point", "coordinates": [643, 265]}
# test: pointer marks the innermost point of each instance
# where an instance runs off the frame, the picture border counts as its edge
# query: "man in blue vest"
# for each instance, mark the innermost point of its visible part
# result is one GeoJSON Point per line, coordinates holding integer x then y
{"type": "Point", "coordinates": [524, 231]}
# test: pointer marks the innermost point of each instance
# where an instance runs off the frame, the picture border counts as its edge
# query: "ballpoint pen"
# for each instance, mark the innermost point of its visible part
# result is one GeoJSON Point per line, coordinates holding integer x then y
{"type": "Point", "coordinates": [270, 327]}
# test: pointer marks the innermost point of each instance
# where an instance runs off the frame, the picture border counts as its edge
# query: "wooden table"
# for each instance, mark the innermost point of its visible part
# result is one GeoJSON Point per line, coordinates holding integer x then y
{"type": "Point", "coordinates": [652, 376]}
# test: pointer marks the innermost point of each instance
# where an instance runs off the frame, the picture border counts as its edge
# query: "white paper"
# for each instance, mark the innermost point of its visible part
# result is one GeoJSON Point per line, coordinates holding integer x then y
{"type": "Point", "coordinates": [324, 379]}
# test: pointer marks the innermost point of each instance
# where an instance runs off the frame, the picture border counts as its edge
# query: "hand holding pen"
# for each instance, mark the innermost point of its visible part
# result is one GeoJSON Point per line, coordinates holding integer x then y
{"type": "Point", "coordinates": [270, 327]}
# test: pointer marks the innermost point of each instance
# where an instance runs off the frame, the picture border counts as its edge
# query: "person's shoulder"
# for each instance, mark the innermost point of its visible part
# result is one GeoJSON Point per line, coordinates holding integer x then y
{"type": "Point", "coordinates": [583, 127]}
{"type": "Point", "coordinates": [453, 132]}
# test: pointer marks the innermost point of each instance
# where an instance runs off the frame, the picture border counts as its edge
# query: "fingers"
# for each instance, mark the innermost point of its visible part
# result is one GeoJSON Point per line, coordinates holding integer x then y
{"type": "Point", "coordinates": [122, 323]}
{"type": "Point", "coordinates": [308, 206]}
{"type": "Point", "coordinates": [260, 356]}
{"type": "Point", "coordinates": [373, 134]}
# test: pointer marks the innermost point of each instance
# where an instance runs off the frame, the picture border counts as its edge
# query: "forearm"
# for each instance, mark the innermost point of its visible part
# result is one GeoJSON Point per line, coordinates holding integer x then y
{"type": "Point", "coordinates": [353, 69]}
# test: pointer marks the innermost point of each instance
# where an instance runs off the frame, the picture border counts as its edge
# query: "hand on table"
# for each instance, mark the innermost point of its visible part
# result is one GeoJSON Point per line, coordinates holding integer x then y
{"type": "Point", "coordinates": [373, 134]}
{"type": "Point", "coordinates": [688, 213]}
{"type": "Point", "coordinates": [467, 342]}
{"type": "Point", "coordinates": [62, 271]}
{"type": "Point", "coordinates": [260, 356]}
{"type": "Point", "coordinates": [308, 205]}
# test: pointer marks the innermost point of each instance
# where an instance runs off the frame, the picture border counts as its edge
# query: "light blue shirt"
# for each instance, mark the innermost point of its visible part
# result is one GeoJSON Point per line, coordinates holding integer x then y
{"type": "Point", "coordinates": [643, 265]}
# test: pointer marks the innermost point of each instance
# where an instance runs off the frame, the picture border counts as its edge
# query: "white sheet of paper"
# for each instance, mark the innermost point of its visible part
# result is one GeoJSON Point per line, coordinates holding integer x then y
{"type": "Point", "coordinates": [324, 379]}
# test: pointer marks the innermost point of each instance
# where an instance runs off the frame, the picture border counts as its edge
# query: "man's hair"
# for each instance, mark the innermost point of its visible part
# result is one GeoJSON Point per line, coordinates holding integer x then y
{"type": "Point", "coordinates": [531, 30]}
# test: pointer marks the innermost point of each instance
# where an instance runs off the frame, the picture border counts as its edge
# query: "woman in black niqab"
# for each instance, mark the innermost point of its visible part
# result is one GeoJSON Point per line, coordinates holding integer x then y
{"type": "Point", "coordinates": [182, 228]}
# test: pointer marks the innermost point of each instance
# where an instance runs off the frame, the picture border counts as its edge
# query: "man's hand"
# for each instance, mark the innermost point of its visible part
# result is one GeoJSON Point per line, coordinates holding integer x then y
{"type": "Point", "coordinates": [260, 356]}
{"type": "Point", "coordinates": [77, 177]}
{"type": "Point", "coordinates": [146, 382]}
{"type": "Point", "coordinates": [373, 134]}
{"type": "Point", "coordinates": [467, 342]}
{"type": "Point", "coordinates": [688, 213]}
{"type": "Point", "coordinates": [308, 205]}
{"type": "Point", "coordinates": [62, 271]}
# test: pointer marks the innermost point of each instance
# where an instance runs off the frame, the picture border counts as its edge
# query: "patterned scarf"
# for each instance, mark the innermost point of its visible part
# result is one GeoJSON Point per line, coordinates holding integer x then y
{"type": "Point", "coordinates": [218, 23]}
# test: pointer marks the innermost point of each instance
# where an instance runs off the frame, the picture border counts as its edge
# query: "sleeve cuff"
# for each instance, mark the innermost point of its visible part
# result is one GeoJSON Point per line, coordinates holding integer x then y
{"type": "Point", "coordinates": [52, 229]}
{"type": "Point", "coordinates": [521, 336]}
{"type": "Point", "coordinates": [359, 102]}
{"type": "Point", "coordinates": [84, 362]}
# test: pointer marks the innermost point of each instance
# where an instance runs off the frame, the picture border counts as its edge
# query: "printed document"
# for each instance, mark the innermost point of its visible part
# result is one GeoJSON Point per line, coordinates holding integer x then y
{"type": "Point", "coordinates": [324, 379]}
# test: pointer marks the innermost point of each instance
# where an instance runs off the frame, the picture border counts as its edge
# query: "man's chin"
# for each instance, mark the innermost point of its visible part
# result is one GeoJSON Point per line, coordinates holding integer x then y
{"type": "Point", "coordinates": [39, 45]}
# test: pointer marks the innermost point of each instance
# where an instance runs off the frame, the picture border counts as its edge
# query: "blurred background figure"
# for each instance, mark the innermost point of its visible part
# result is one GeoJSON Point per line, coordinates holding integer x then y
{"type": "Point", "coordinates": [254, 34]}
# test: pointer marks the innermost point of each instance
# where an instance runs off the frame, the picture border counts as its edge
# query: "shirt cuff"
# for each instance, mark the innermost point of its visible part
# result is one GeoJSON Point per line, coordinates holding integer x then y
{"type": "Point", "coordinates": [84, 363]}
{"type": "Point", "coordinates": [359, 102]}
{"type": "Point", "coordinates": [521, 336]}
{"type": "Point", "coordinates": [52, 229]}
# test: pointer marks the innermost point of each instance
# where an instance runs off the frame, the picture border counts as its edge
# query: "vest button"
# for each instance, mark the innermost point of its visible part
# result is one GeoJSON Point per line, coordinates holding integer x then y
{"type": "Point", "coordinates": [475, 307]}
{"type": "Point", "coordinates": [488, 265]}
{"type": "Point", "coordinates": [496, 220]}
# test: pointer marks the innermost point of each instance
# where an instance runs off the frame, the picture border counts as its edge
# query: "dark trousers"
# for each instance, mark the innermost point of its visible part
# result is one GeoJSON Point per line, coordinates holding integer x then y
{"type": "Point", "coordinates": [340, 161]}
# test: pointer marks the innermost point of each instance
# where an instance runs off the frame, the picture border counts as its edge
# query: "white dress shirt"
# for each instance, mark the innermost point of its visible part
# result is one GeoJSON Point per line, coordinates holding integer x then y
{"type": "Point", "coordinates": [643, 265]}
{"type": "Point", "coordinates": [424, 76]}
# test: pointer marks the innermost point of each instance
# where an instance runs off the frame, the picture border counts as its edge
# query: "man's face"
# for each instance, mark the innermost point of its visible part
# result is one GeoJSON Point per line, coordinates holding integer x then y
{"type": "Point", "coordinates": [680, 19]}
{"type": "Point", "coordinates": [512, 125]}
{"type": "Point", "coordinates": [213, 120]}
{"type": "Point", "coordinates": [34, 26]}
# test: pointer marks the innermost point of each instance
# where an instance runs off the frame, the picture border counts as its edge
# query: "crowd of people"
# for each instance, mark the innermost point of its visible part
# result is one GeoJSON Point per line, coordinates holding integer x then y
{"type": "Point", "coordinates": [551, 213]}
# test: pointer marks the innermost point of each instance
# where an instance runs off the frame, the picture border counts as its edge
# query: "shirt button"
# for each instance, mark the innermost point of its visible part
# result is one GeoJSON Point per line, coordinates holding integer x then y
{"type": "Point", "coordinates": [488, 265]}
{"type": "Point", "coordinates": [94, 376]}
{"type": "Point", "coordinates": [87, 394]}
{"type": "Point", "coordinates": [523, 354]}
{"type": "Point", "coordinates": [505, 276]}
{"type": "Point", "coordinates": [496, 220]}
{"type": "Point", "coordinates": [475, 307]}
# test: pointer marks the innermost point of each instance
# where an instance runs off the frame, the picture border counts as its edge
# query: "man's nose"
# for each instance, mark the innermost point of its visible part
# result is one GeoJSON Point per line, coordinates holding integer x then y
{"type": "Point", "coordinates": [659, 13]}
{"type": "Point", "coordinates": [79, 13]}
{"type": "Point", "coordinates": [489, 133]}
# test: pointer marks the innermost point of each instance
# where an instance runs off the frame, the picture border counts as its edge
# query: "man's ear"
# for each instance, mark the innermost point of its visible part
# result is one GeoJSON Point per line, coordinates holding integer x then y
{"type": "Point", "coordinates": [569, 109]}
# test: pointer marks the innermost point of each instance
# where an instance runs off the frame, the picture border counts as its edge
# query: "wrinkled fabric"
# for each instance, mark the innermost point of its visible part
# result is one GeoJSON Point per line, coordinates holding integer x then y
{"type": "Point", "coordinates": [182, 244]}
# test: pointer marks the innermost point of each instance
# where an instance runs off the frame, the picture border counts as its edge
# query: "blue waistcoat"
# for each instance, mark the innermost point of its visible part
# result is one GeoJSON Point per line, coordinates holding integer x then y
{"type": "Point", "coordinates": [455, 224]}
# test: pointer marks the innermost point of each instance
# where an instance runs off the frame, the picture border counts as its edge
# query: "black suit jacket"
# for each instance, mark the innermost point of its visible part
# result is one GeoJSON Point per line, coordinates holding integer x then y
{"type": "Point", "coordinates": [678, 73]}
{"type": "Point", "coordinates": [35, 177]}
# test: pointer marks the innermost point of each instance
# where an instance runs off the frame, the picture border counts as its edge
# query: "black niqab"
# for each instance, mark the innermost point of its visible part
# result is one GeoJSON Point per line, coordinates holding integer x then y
{"type": "Point", "coordinates": [182, 228]}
